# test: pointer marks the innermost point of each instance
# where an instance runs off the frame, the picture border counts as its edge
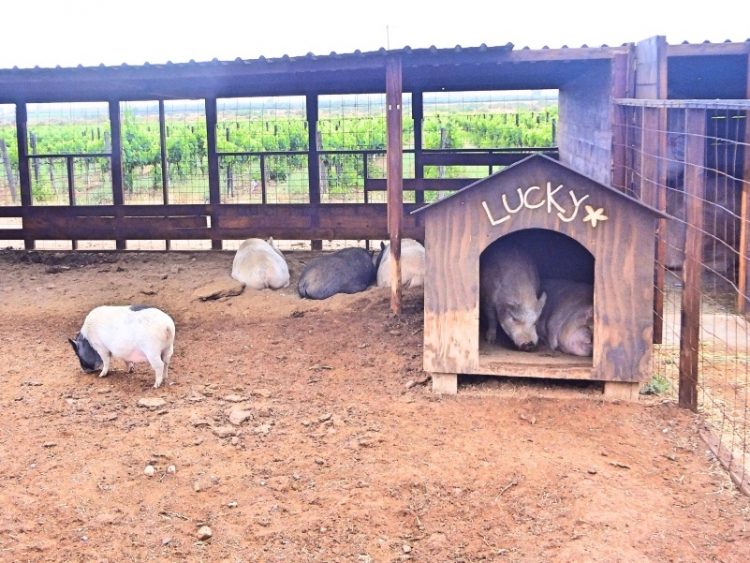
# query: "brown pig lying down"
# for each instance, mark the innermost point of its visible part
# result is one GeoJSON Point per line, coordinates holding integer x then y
{"type": "Point", "coordinates": [567, 320]}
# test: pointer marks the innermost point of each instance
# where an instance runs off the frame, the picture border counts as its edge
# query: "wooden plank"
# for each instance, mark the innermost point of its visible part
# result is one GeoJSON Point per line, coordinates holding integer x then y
{"type": "Point", "coordinates": [293, 222]}
{"type": "Point", "coordinates": [313, 157]}
{"type": "Point", "coordinates": [690, 317]}
{"type": "Point", "coordinates": [621, 391]}
{"type": "Point", "coordinates": [444, 383]}
{"type": "Point", "coordinates": [24, 174]}
{"type": "Point", "coordinates": [118, 198]}
{"type": "Point", "coordinates": [620, 75]}
{"type": "Point", "coordinates": [651, 83]}
{"type": "Point", "coordinates": [128, 210]}
{"type": "Point", "coordinates": [214, 187]}
{"type": "Point", "coordinates": [417, 115]}
{"type": "Point", "coordinates": [506, 158]}
{"type": "Point", "coordinates": [12, 234]}
{"type": "Point", "coordinates": [496, 360]}
{"type": "Point", "coordinates": [420, 184]}
{"type": "Point", "coordinates": [722, 104]}
{"type": "Point", "coordinates": [651, 68]}
{"type": "Point", "coordinates": [734, 465]}
{"type": "Point", "coordinates": [743, 303]}
{"type": "Point", "coordinates": [11, 211]}
{"type": "Point", "coordinates": [708, 49]}
{"type": "Point", "coordinates": [163, 158]}
{"type": "Point", "coordinates": [394, 157]}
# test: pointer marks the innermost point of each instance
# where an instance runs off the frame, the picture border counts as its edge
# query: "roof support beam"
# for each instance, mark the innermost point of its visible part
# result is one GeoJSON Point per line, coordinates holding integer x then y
{"type": "Point", "coordinates": [393, 102]}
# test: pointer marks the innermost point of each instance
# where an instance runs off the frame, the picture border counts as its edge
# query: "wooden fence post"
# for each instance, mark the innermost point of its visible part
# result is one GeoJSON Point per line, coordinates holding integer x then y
{"type": "Point", "coordinates": [116, 160]}
{"type": "Point", "coordinates": [395, 182]}
{"type": "Point", "coordinates": [743, 275]}
{"type": "Point", "coordinates": [164, 160]}
{"type": "Point", "coordinates": [417, 114]}
{"type": "Point", "coordinates": [651, 83]}
{"type": "Point", "coordinates": [8, 171]}
{"type": "Point", "coordinates": [690, 318]}
{"type": "Point", "coordinates": [24, 175]}
{"type": "Point", "coordinates": [214, 193]}
{"type": "Point", "coordinates": [313, 164]}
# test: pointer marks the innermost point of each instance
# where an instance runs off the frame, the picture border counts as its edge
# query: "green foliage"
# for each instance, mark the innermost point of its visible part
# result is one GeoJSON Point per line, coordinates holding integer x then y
{"type": "Point", "coordinates": [186, 144]}
{"type": "Point", "coordinates": [657, 385]}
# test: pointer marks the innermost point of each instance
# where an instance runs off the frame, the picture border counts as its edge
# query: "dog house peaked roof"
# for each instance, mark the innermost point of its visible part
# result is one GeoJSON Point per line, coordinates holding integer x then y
{"type": "Point", "coordinates": [541, 167]}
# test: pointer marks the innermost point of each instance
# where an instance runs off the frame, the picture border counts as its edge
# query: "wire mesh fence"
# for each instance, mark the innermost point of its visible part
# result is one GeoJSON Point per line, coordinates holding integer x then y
{"type": "Point", "coordinates": [690, 159]}
{"type": "Point", "coordinates": [262, 145]}
{"type": "Point", "coordinates": [186, 150]}
{"type": "Point", "coordinates": [9, 182]}
{"type": "Point", "coordinates": [142, 162]}
{"type": "Point", "coordinates": [352, 141]}
{"type": "Point", "coordinates": [69, 147]}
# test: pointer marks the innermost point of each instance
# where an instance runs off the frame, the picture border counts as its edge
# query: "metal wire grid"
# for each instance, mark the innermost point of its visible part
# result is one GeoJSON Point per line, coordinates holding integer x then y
{"type": "Point", "coordinates": [262, 145]}
{"type": "Point", "coordinates": [352, 140]}
{"type": "Point", "coordinates": [9, 181]}
{"type": "Point", "coordinates": [143, 181]}
{"type": "Point", "coordinates": [724, 347]}
{"type": "Point", "coordinates": [187, 151]}
{"type": "Point", "coordinates": [69, 146]}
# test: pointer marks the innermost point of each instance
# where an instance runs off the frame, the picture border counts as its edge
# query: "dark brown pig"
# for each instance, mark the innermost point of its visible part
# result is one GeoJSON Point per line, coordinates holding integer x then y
{"type": "Point", "coordinates": [567, 321]}
{"type": "Point", "coordinates": [347, 271]}
{"type": "Point", "coordinates": [509, 294]}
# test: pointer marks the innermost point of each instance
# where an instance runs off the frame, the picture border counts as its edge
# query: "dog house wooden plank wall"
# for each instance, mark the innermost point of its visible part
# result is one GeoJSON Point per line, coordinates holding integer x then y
{"type": "Point", "coordinates": [539, 195]}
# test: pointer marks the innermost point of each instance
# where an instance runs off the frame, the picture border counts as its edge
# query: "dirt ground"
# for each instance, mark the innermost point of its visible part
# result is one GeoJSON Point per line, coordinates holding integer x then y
{"type": "Point", "coordinates": [340, 457]}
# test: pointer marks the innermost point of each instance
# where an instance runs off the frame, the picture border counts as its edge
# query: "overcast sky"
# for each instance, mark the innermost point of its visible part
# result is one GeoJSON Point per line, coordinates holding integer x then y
{"type": "Point", "coordinates": [72, 32]}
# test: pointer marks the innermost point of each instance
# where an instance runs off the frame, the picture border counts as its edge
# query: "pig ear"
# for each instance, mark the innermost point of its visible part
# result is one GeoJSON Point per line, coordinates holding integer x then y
{"type": "Point", "coordinates": [270, 241]}
{"type": "Point", "coordinates": [541, 302]}
{"type": "Point", "coordinates": [382, 246]}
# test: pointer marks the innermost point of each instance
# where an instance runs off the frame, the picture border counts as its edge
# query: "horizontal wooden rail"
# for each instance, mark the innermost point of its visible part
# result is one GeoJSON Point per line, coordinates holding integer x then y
{"type": "Point", "coordinates": [742, 105]}
{"type": "Point", "coordinates": [421, 184]}
{"type": "Point", "coordinates": [160, 222]}
{"type": "Point", "coordinates": [73, 155]}
{"type": "Point", "coordinates": [480, 158]}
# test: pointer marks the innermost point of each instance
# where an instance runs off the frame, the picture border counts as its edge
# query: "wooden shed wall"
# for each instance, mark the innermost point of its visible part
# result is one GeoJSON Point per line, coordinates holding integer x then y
{"type": "Point", "coordinates": [585, 131]}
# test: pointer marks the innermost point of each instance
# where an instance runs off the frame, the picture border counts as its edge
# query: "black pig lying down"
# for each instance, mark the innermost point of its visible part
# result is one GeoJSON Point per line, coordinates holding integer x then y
{"type": "Point", "coordinates": [567, 321]}
{"type": "Point", "coordinates": [346, 271]}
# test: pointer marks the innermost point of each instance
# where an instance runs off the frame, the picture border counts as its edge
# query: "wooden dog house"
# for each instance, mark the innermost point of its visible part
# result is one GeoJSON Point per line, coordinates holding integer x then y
{"type": "Point", "coordinates": [540, 197]}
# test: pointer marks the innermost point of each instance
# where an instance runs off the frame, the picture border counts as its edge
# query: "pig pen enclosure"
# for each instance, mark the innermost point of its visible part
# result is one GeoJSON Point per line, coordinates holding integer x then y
{"type": "Point", "coordinates": [305, 430]}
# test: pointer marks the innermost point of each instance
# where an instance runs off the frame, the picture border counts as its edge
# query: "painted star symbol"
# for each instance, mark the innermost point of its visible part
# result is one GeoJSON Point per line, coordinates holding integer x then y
{"type": "Point", "coordinates": [594, 215]}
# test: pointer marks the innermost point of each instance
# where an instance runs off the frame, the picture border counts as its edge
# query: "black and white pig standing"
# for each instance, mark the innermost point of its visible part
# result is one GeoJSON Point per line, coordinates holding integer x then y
{"type": "Point", "coordinates": [135, 333]}
{"type": "Point", "coordinates": [346, 271]}
{"type": "Point", "coordinates": [567, 321]}
{"type": "Point", "coordinates": [509, 294]}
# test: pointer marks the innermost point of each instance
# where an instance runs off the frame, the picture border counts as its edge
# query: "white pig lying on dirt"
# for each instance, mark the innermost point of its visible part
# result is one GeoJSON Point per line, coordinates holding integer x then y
{"type": "Point", "coordinates": [258, 264]}
{"type": "Point", "coordinates": [567, 321]}
{"type": "Point", "coordinates": [412, 264]}
{"type": "Point", "coordinates": [135, 333]}
{"type": "Point", "coordinates": [509, 294]}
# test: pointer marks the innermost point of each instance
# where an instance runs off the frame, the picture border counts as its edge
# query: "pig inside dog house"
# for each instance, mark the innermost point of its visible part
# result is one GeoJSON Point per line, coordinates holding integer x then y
{"type": "Point", "coordinates": [573, 229]}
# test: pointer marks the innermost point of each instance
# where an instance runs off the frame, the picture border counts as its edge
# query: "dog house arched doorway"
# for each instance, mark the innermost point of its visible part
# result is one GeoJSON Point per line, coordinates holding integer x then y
{"type": "Point", "coordinates": [565, 271]}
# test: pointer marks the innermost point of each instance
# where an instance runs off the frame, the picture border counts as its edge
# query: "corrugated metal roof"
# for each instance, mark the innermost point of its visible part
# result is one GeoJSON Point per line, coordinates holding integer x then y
{"type": "Point", "coordinates": [432, 50]}
{"type": "Point", "coordinates": [287, 59]}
